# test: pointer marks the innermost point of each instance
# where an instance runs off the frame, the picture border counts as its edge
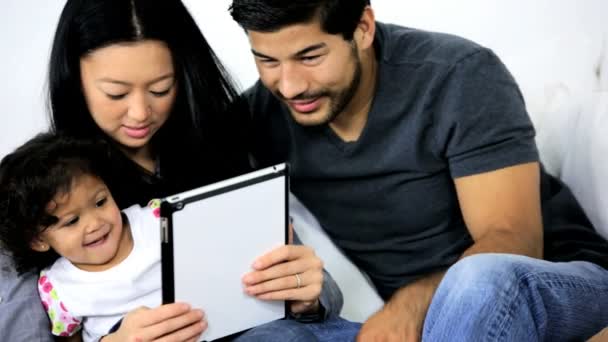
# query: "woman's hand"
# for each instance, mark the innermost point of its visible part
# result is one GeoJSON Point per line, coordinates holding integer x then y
{"type": "Point", "coordinates": [293, 273]}
{"type": "Point", "coordinates": [169, 322]}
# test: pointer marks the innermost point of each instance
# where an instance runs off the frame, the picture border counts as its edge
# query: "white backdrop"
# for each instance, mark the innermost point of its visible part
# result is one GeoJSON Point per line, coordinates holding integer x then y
{"type": "Point", "coordinates": [27, 26]}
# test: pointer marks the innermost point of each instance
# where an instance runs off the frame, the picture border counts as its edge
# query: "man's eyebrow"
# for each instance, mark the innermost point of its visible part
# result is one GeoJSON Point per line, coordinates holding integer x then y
{"type": "Point", "coordinates": [310, 49]}
{"type": "Point", "coordinates": [260, 55]}
{"type": "Point", "coordinates": [297, 54]}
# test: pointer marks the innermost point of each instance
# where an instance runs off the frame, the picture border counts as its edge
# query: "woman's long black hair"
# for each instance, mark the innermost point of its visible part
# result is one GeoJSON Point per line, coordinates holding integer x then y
{"type": "Point", "coordinates": [201, 141]}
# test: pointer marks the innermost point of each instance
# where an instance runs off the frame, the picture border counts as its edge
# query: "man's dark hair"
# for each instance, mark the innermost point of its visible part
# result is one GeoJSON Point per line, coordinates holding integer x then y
{"type": "Point", "coordinates": [30, 178]}
{"type": "Point", "coordinates": [335, 16]}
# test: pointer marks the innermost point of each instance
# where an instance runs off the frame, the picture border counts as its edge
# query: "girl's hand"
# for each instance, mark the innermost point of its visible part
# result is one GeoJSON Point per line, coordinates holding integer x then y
{"type": "Point", "coordinates": [167, 323]}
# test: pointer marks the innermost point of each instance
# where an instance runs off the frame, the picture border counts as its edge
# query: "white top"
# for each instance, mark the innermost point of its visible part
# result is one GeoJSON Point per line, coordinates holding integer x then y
{"type": "Point", "coordinates": [98, 300]}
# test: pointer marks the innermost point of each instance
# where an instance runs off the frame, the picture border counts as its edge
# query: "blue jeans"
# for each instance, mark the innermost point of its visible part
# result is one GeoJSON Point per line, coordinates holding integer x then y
{"type": "Point", "coordinates": [499, 297]}
{"type": "Point", "coordinates": [333, 329]}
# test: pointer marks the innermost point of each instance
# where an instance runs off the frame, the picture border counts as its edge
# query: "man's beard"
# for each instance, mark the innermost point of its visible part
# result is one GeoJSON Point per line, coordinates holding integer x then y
{"type": "Point", "coordinates": [338, 100]}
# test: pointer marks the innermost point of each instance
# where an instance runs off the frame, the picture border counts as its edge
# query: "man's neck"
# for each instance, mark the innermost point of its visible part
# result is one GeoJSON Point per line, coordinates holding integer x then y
{"type": "Point", "coordinates": [349, 124]}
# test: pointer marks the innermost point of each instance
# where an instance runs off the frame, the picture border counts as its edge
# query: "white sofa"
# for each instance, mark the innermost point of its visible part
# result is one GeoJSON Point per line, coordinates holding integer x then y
{"type": "Point", "coordinates": [558, 52]}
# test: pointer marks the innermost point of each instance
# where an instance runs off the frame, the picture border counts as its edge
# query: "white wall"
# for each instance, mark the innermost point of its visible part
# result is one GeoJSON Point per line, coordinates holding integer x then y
{"type": "Point", "coordinates": [26, 28]}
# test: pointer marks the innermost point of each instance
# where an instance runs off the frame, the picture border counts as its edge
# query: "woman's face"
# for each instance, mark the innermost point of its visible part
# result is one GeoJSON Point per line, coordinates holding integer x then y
{"type": "Point", "coordinates": [130, 89]}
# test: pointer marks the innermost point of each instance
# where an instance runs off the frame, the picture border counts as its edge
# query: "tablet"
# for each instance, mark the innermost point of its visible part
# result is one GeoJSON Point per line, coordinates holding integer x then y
{"type": "Point", "coordinates": [210, 238]}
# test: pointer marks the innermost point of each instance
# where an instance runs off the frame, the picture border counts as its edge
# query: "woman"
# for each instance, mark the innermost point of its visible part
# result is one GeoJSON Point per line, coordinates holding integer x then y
{"type": "Point", "coordinates": [140, 74]}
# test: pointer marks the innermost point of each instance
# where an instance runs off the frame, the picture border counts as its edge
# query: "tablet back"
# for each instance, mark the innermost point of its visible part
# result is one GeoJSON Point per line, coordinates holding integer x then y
{"type": "Point", "coordinates": [212, 235]}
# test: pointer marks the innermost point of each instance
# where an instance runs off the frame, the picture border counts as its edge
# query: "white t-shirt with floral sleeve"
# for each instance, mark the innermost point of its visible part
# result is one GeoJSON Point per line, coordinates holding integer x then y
{"type": "Point", "coordinates": [95, 301]}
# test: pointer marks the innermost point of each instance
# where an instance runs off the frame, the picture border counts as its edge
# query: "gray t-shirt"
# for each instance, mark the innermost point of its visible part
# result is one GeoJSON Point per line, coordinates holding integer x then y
{"type": "Point", "coordinates": [444, 108]}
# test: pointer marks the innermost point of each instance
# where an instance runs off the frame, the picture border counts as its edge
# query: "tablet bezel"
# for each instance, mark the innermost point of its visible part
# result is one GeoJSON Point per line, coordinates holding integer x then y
{"type": "Point", "coordinates": [174, 203]}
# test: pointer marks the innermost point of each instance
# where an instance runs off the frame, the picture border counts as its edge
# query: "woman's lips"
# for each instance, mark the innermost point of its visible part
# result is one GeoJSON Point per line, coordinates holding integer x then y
{"type": "Point", "coordinates": [137, 132]}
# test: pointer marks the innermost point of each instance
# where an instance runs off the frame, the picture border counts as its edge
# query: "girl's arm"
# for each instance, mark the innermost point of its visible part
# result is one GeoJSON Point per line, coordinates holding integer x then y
{"type": "Point", "coordinates": [177, 320]}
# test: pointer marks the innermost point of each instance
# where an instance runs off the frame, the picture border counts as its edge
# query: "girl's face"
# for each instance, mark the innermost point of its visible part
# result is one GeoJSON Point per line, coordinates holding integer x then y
{"type": "Point", "coordinates": [90, 231]}
{"type": "Point", "coordinates": [130, 89]}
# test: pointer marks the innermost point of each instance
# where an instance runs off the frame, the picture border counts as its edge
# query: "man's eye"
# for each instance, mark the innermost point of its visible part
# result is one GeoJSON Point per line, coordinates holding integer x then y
{"type": "Point", "coordinates": [268, 62]}
{"type": "Point", "coordinates": [310, 58]}
{"type": "Point", "coordinates": [101, 202]}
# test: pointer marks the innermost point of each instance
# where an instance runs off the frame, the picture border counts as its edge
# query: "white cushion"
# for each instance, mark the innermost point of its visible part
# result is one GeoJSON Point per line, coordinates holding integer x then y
{"type": "Point", "coordinates": [585, 167]}
{"type": "Point", "coordinates": [360, 299]}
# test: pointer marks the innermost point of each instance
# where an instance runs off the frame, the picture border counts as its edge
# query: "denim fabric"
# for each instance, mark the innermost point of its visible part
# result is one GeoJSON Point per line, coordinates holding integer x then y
{"type": "Point", "coordinates": [22, 317]}
{"type": "Point", "coordinates": [499, 297]}
{"type": "Point", "coordinates": [335, 329]}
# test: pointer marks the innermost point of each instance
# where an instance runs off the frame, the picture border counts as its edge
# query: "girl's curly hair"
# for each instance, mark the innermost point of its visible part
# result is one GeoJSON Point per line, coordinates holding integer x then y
{"type": "Point", "coordinates": [30, 178]}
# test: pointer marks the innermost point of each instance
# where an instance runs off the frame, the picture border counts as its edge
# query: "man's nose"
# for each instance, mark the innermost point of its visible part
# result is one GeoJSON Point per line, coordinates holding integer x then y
{"type": "Point", "coordinates": [291, 82]}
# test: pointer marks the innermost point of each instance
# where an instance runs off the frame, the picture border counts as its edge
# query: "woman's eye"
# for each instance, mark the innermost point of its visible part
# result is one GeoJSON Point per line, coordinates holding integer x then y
{"type": "Point", "coordinates": [101, 202]}
{"type": "Point", "coordinates": [72, 221]}
{"type": "Point", "coordinates": [116, 97]}
{"type": "Point", "coordinates": [160, 93]}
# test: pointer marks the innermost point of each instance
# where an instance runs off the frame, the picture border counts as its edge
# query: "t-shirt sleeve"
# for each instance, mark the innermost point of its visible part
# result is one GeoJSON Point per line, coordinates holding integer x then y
{"type": "Point", "coordinates": [63, 323]}
{"type": "Point", "coordinates": [145, 223]}
{"type": "Point", "coordinates": [480, 117]}
{"type": "Point", "coordinates": [153, 210]}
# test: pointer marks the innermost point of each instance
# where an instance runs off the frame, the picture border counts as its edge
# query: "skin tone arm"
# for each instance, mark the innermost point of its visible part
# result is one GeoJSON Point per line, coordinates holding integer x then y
{"type": "Point", "coordinates": [273, 277]}
{"type": "Point", "coordinates": [502, 212]}
{"type": "Point", "coordinates": [166, 323]}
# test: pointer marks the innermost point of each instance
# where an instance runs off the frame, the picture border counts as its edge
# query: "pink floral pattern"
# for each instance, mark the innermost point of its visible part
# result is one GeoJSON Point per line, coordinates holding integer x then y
{"type": "Point", "coordinates": [63, 323]}
{"type": "Point", "coordinates": [155, 206]}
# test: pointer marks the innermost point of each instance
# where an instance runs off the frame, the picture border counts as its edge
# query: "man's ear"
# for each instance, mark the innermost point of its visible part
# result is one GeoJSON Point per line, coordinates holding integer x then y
{"type": "Point", "coordinates": [366, 29]}
{"type": "Point", "coordinates": [39, 245]}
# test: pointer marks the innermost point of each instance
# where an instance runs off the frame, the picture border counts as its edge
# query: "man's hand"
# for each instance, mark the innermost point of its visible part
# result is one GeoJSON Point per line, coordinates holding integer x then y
{"type": "Point", "coordinates": [389, 325]}
{"type": "Point", "coordinates": [289, 272]}
{"type": "Point", "coordinates": [402, 318]}
{"type": "Point", "coordinates": [171, 322]}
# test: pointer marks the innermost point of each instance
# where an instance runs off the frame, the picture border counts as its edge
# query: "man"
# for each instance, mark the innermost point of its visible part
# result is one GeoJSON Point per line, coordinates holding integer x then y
{"type": "Point", "coordinates": [414, 150]}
